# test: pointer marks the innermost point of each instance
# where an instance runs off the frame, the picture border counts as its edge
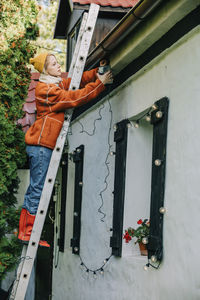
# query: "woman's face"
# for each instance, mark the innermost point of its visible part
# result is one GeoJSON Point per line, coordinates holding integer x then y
{"type": "Point", "coordinates": [53, 67]}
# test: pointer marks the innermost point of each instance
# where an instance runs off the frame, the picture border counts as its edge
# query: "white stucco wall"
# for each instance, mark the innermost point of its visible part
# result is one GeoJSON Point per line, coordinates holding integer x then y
{"type": "Point", "coordinates": [175, 74]}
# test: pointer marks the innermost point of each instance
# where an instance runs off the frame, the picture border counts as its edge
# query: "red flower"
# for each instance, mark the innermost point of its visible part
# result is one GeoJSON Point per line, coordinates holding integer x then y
{"type": "Point", "coordinates": [139, 221]}
{"type": "Point", "coordinates": [127, 237]}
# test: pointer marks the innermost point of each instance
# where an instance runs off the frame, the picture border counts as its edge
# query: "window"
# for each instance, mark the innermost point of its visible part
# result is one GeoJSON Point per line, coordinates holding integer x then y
{"type": "Point", "coordinates": [145, 175]}
{"type": "Point", "coordinates": [71, 42]}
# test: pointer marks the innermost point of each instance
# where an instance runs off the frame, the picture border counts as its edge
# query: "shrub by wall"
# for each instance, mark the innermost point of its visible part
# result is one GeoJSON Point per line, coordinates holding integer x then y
{"type": "Point", "coordinates": [17, 28]}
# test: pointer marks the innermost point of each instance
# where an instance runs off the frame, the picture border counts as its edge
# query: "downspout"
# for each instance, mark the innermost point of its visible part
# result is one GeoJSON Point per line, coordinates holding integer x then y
{"type": "Point", "coordinates": [126, 25]}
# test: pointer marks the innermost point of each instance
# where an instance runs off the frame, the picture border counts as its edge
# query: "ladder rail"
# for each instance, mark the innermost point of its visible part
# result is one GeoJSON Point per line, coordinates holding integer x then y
{"type": "Point", "coordinates": [77, 70]}
{"type": "Point", "coordinates": [78, 43]}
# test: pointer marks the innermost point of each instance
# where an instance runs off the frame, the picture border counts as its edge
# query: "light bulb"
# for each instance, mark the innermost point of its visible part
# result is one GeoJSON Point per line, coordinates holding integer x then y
{"type": "Point", "coordinates": [162, 210]}
{"type": "Point", "coordinates": [80, 183]}
{"type": "Point", "coordinates": [101, 271]}
{"type": "Point", "coordinates": [157, 162]}
{"type": "Point", "coordinates": [136, 125]}
{"type": "Point", "coordinates": [115, 127]}
{"type": "Point", "coordinates": [145, 240]}
{"type": "Point", "coordinates": [153, 258]}
{"type": "Point", "coordinates": [76, 249]}
{"type": "Point", "coordinates": [148, 118]}
{"type": "Point", "coordinates": [112, 153]}
{"type": "Point", "coordinates": [75, 214]}
{"type": "Point", "coordinates": [159, 114]}
{"type": "Point", "coordinates": [154, 106]}
{"type": "Point", "coordinates": [145, 268]}
{"type": "Point", "coordinates": [56, 184]}
{"type": "Point", "coordinates": [78, 150]}
{"type": "Point", "coordinates": [95, 275]}
{"type": "Point", "coordinates": [82, 266]}
{"type": "Point", "coordinates": [129, 125]}
{"type": "Point", "coordinates": [87, 274]}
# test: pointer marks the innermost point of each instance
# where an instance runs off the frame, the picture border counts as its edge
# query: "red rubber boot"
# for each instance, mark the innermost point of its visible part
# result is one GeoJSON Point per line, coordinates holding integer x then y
{"type": "Point", "coordinates": [22, 223]}
{"type": "Point", "coordinates": [25, 228]}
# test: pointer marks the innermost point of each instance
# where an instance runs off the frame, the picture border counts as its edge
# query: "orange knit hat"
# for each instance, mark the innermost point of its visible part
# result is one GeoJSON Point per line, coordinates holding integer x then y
{"type": "Point", "coordinates": [39, 61]}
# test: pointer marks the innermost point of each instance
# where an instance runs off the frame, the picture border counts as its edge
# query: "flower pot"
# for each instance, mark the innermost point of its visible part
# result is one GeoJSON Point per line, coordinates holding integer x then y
{"type": "Point", "coordinates": [143, 249]}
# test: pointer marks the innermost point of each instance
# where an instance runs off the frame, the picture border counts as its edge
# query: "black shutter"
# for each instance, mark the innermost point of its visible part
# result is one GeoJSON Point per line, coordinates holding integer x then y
{"type": "Point", "coordinates": [159, 119]}
{"type": "Point", "coordinates": [78, 157]}
{"type": "Point", "coordinates": [120, 139]}
{"type": "Point", "coordinates": [64, 166]}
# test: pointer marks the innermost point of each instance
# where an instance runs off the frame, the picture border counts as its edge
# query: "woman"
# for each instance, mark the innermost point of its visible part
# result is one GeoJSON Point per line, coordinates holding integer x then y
{"type": "Point", "coordinates": [53, 97]}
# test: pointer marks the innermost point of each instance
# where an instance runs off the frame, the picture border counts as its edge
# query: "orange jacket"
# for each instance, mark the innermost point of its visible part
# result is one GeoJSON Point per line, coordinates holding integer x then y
{"type": "Point", "coordinates": [53, 100]}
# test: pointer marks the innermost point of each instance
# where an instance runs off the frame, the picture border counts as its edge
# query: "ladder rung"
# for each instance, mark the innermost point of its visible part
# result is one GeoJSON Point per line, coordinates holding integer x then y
{"type": "Point", "coordinates": [75, 73]}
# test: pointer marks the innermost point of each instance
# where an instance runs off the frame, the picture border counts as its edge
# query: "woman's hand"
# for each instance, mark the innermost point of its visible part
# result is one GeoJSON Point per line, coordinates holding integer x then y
{"type": "Point", "coordinates": [106, 78]}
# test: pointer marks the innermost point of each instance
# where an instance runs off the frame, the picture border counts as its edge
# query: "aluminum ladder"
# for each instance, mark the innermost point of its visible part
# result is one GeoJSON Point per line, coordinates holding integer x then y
{"type": "Point", "coordinates": [29, 251]}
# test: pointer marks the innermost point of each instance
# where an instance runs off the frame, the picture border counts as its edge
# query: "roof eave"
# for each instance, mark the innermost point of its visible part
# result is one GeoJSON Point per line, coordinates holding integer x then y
{"type": "Point", "coordinates": [126, 25]}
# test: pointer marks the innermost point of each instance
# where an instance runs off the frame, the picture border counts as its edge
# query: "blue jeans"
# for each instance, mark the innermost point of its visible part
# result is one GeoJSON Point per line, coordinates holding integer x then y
{"type": "Point", "coordinates": [39, 158]}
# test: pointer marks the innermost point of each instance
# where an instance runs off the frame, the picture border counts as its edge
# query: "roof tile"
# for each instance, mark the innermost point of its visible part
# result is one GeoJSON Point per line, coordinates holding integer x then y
{"type": "Point", "coordinates": [29, 107]}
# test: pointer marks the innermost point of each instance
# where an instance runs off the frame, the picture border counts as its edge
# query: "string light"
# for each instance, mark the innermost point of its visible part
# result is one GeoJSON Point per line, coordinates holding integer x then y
{"type": "Point", "coordinates": [162, 210]}
{"type": "Point", "coordinates": [97, 271]}
{"type": "Point", "coordinates": [136, 122]}
{"type": "Point", "coordinates": [153, 258]}
{"type": "Point", "coordinates": [100, 270]}
{"type": "Point", "coordinates": [136, 125]}
{"type": "Point", "coordinates": [157, 162]}
{"type": "Point", "coordinates": [145, 240]}
{"type": "Point", "coordinates": [150, 265]}
{"type": "Point", "coordinates": [154, 106]}
{"type": "Point", "coordinates": [108, 154]}
{"type": "Point", "coordinates": [94, 123]}
{"type": "Point", "coordinates": [159, 114]}
{"type": "Point", "coordinates": [112, 153]}
{"type": "Point", "coordinates": [106, 164]}
{"type": "Point", "coordinates": [148, 118]}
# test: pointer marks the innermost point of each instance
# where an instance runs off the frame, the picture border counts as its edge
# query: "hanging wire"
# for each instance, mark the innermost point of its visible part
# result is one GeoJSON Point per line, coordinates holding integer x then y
{"type": "Point", "coordinates": [106, 164]}
{"type": "Point", "coordinates": [14, 285]}
{"type": "Point", "coordinates": [101, 268]}
{"type": "Point", "coordinates": [94, 123]}
{"type": "Point", "coordinates": [107, 156]}
{"type": "Point", "coordinates": [94, 271]}
{"type": "Point", "coordinates": [147, 113]}
{"type": "Point", "coordinates": [153, 266]}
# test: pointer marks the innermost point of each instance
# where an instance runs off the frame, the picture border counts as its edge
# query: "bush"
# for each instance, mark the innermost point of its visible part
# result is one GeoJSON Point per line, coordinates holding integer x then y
{"type": "Point", "coordinates": [17, 27]}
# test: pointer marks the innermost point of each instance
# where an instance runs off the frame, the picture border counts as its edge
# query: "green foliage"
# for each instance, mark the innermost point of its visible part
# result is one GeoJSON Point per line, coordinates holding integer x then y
{"type": "Point", "coordinates": [142, 231]}
{"type": "Point", "coordinates": [17, 27]}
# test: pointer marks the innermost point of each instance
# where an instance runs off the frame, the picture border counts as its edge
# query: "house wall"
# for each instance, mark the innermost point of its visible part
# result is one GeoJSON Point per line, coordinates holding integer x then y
{"type": "Point", "coordinates": [174, 74]}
